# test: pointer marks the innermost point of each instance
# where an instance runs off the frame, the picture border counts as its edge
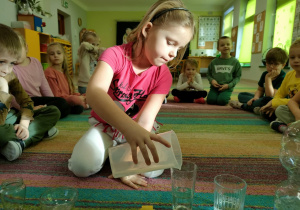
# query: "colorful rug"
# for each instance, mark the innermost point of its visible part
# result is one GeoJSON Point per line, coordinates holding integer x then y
{"type": "Point", "coordinates": [218, 139]}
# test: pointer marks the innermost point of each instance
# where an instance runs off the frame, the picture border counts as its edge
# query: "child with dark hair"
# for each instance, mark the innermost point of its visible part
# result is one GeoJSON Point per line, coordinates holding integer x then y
{"type": "Point", "coordinates": [189, 86]}
{"type": "Point", "coordinates": [268, 83]}
{"type": "Point", "coordinates": [277, 109]}
{"type": "Point", "coordinates": [223, 74]}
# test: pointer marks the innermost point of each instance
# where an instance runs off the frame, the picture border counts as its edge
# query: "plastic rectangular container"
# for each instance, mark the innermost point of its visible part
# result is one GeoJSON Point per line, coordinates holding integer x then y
{"type": "Point", "coordinates": [121, 157]}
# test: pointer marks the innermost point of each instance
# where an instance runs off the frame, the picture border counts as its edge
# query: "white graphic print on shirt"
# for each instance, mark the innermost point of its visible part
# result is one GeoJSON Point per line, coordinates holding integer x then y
{"type": "Point", "coordinates": [223, 68]}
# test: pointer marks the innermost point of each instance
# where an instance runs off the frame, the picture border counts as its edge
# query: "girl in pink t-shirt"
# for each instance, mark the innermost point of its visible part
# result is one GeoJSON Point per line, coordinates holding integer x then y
{"type": "Point", "coordinates": [128, 88]}
{"type": "Point", "coordinates": [60, 80]}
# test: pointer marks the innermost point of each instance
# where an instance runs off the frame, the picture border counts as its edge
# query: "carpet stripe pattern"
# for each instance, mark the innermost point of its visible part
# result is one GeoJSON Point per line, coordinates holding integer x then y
{"type": "Point", "coordinates": [218, 139]}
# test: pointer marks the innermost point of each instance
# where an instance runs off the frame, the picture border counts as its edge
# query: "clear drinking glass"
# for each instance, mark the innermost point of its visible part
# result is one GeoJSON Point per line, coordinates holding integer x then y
{"type": "Point", "coordinates": [59, 198]}
{"type": "Point", "coordinates": [183, 185]}
{"type": "Point", "coordinates": [13, 193]}
{"type": "Point", "coordinates": [230, 192]}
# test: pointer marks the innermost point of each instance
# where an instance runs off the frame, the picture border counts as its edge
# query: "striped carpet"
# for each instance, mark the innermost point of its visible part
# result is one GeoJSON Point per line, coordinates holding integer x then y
{"type": "Point", "coordinates": [218, 139]}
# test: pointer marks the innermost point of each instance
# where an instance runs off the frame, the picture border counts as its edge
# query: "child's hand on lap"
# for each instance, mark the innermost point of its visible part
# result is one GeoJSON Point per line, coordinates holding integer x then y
{"type": "Point", "coordinates": [223, 87]}
{"type": "Point", "coordinates": [268, 109]}
{"type": "Point", "coordinates": [21, 131]}
{"type": "Point", "coordinates": [215, 84]}
{"type": "Point", "coordinates": [251, 101]}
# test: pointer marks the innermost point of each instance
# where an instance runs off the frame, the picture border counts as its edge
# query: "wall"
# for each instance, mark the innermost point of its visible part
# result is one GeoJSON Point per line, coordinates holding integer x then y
{"type": "Point", "coordinates": [255, 70]}
{"type": "Point", "coordinates": [73, 12]}
{"type": "Point", "coordinates": [104, 23]}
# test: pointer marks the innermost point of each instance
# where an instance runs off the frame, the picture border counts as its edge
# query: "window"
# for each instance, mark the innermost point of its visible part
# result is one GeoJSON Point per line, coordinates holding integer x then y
{"type": "Point", "coordinates": [284, 22]}
{"type": "Point", "coordinates": [228, 22]}
{"type": "Point", "coordinates": [246, 47]}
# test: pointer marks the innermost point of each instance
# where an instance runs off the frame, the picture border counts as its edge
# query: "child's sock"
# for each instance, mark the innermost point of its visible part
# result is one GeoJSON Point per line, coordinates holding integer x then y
{"type": "Point", "coordinates": [176, 99]}
{"type": "Point", "coordinates": [13, 150]}
{"type": "Point", "coordinates": [199, 100]}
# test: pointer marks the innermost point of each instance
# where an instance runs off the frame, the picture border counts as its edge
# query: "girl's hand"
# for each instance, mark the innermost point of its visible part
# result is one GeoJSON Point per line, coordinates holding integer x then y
{"type": "Point", "coordinates": [133, 180]}
{"type": "Point", "coordinates": [21, 131]}
{"type": "Point", "coordinates": [223, 87]}
{"type": "Point", "coordinates": [215, 84]}
{"type": "Point", "coordinates": [140, 137]}
{"type": "Point", "coordinates": [3, 85]}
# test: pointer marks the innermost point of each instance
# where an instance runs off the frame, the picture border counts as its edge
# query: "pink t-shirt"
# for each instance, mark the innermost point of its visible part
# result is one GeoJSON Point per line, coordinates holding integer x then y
{"type": "Point", "coordinates": [32, 79]}
{"type": "Point", "coordinates": [128, 90]}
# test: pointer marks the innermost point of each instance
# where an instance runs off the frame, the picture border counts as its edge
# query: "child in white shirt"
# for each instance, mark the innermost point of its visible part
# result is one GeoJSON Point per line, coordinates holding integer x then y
{"type": "Point", "coordinates": [189, 86]}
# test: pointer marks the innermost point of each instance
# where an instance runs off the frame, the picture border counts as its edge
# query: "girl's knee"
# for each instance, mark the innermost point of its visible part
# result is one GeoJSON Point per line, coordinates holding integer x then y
{"type": "Point", "coordinates": [84, 167]}
{"type": "Point", "coordinates": [90, 153]}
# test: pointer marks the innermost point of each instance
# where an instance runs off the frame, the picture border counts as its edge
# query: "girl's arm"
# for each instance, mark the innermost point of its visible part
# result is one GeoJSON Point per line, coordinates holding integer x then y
{"type": "Point", "coordinates": [45, 88]}
{"type": "Point", "coordinates": [147, 114]}
{"type": "Point", "coordinates": [197, 84]}
{"type": "Point", "coordinates": [293, 105]}
{"type": "Point", "coordinates": [104, 106]}
{"type": "Point", "coordinates": [180, 84]}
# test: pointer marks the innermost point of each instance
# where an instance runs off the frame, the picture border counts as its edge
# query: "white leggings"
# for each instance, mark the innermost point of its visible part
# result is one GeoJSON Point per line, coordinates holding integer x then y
{"type": "Point", "coordinates": [91, 151]}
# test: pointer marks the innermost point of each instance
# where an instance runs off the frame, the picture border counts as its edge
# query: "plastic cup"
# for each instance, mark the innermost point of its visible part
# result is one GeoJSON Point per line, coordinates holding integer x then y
{"type": "Point", "coordinates": [13, 192]}
{"type": "Point", "coordinates": [121, 163]}
{"type": "Point", "coordinates": [230, 192]}
{"type": "Point", "coordinates": [183, 185]}
{"type": "Point", "coordinates": [59, 198]}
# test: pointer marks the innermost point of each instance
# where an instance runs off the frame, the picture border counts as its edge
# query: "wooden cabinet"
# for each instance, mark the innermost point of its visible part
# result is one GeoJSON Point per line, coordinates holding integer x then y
{"type": "Point", "coordinates": [37, 46]}
{"type": "Point", "coordinates": [32, 39]}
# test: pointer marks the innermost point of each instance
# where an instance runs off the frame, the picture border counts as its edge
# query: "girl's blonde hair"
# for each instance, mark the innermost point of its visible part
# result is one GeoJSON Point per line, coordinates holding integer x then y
{"type": "Point", "coordinates": [22, 39]}
{"type": "Point", "coordinates": [162, 13]}
{"type": "Point", "coordinates": [88, 33]}
{"type": "Point", "coordinates": [9, 42]}
{"type": "Point", "coordinates": [296, 43]}
{"type": "Point", "coordinates": [64, 65]}
{"type": "Point", "coordinates": [192, 62]}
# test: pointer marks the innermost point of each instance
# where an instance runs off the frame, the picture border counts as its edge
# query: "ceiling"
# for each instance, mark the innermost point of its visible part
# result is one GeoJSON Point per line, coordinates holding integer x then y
{"type": "Point", "coordinates": [143, 5]}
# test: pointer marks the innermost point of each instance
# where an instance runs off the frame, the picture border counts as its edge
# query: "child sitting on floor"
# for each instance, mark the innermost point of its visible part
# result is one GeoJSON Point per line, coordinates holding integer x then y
{"type": "Point", "coordinates": [88, 54]}
{"type": "Point", "coordinates": [268, 84]}
{"type": "Point", "coordinates": [128, 87]}
{"type": "Point", "coordinates": [289, 88]}
{"type": "Point", "coordinates": [189, 86]}
{"type": "Point", "coordinates": [19, 129]}
{"type": "Point", "coordinates": [60, 80]}
{"type": "Point", "coordinates": [32, 78]}
{"type": "Point", "coordinates": [223, 74]}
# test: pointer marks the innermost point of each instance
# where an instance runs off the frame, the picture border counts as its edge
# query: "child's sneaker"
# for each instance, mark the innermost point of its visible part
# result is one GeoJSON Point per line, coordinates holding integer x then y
{"type": "Point", "coordinates": [176, 99]}
{"type": "Point", "coordinates": [53, 132]}
{"type": "Point", "coordinates": [278, 126]}
{"type": "Point", "coordinates": [235, 104]}
{"type": "Point", "coordinates": [256, 110]}
{"type": "Point", "coordinates": [200, 100]}
{"type": "Point", "coordinates": [12, 150]}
